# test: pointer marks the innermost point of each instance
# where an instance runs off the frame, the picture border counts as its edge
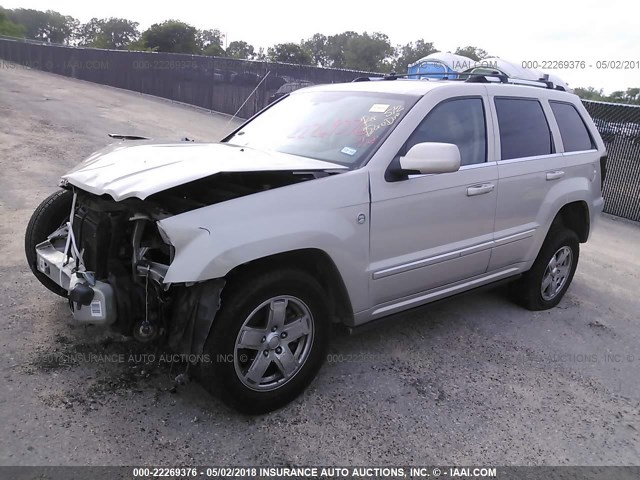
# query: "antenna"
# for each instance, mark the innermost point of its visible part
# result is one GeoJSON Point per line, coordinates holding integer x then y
{"type": "Point", "coordinates": [245, 102]}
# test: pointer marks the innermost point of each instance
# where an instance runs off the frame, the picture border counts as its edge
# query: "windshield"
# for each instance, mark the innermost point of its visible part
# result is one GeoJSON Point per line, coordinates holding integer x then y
{"type": "Point", "coordinates": [338, 127]}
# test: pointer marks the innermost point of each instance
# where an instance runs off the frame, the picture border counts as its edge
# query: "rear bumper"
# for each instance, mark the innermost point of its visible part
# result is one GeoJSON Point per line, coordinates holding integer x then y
{"type": "Point", "coordinates": [595, 211]}
{"type": "Point", "coordinates": [598, 206]}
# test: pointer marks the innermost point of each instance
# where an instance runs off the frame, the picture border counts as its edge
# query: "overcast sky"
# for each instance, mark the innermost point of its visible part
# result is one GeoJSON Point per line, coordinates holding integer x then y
{"type": "Point", "coordinates": [588, 30]}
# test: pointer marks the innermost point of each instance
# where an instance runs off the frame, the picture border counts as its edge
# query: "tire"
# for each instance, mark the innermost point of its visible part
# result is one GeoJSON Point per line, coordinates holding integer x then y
{"type": "Point", "coordinates": [270, 372]}
{"type": "Point", "coordinates": [562, 246]}
{"type": "Point", "coordinates": [46, 218]}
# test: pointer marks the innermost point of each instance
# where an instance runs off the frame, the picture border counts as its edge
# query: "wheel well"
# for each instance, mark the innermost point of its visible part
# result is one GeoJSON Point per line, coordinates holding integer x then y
{"type": "Point", "coordinates": [313, 261]}
{"type": "Point", "coordinates": [575, 216]}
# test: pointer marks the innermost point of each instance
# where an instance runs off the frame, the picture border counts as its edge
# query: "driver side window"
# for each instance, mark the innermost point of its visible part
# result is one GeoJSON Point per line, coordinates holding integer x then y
{"type": "Point", "coordinates": [459, 121]}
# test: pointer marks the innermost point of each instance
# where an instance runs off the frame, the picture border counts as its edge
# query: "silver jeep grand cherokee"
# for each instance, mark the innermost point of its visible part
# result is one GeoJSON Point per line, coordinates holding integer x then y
{"type": "Point", "coordinates": [338, 203]}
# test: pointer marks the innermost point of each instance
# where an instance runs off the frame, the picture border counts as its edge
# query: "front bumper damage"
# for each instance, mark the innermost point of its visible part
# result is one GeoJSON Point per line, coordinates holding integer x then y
{"type": "Point", "coordinates": [126, 291]}
{"type": "Point", "coordinates": [91, 301]}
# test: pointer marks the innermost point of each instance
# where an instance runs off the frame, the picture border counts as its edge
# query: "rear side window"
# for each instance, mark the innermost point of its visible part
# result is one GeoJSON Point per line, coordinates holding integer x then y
{"type": "Point", "coordinates": [524, 131]}
{"type": "Point", "coordinates": [461, 122]}
{"type": "Point", "coordinates": [573, 131]}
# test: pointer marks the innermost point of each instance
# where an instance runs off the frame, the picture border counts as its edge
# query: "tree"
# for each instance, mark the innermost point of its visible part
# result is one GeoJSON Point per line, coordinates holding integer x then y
{"type": "Point", "coordinates": [8, 28]}
{"type": "Point", "coordinates": [240, 49]}
{"type": "Point", "coordinates": [411, 53]}
{"type": "Point", "coordinates": [210, 42]}
{"type": "Point", "coordinates": [336, 47]}
{"type": "Point", "coordinates": [32, 21]}
{"type": "Point", "coordinates": [630, 96]}
{"type": "Point", "coordinates": [140, 46]}
{"type": "Point", "coordinates": [49, 26]}
{"type": "Point", "coordinates": [317, 48]}
{"type": "Point", "coordinates": [369, 52]}
{"type": "Point", "coordinates": [617, 96]}
{"type": "Point", "coordinates": [260, 55]}
{"type": "Point", "coordinates": [289, 53]}
{"type": "Point", "coordinates": [88, 33]}
{"type": "Point", "coordinates": [171, 36]}
{"type": "Point", "coordinates": [474, 53]}
{"type": "Point", "coordinates": [112, 33]}
{"type": "Point", "coordinates": [589, 93]}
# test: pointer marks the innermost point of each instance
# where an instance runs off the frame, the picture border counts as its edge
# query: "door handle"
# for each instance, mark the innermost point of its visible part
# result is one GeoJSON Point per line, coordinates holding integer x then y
{"type": "Point", "coordinates": [479, 189]}
{"type": "Point", "coordinates": [554, 175]}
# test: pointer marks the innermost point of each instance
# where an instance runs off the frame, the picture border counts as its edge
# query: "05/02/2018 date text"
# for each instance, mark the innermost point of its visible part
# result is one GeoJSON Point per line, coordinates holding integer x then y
{"type": "Point", "coordinates": [582, 64]}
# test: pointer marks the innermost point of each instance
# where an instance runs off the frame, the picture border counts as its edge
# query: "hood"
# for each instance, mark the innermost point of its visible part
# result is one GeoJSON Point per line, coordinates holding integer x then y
{"type": "Point", "coordinates": [123, 170]}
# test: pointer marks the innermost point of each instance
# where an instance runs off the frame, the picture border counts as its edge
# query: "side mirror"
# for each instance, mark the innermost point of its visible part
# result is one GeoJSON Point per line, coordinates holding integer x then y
{"type": "Point", "coordinates": [432, 157]}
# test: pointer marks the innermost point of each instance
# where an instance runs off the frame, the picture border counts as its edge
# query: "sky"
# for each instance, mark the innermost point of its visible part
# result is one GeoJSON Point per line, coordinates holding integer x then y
{"type": "Point", "coordinates": [591, 31]}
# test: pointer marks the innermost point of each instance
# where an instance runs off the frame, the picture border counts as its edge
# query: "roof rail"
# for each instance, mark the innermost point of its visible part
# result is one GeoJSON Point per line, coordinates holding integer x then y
{"type": "Point", "coordinates": [470, 78]}
{"type": "Point", "coordinates": [542, 82]}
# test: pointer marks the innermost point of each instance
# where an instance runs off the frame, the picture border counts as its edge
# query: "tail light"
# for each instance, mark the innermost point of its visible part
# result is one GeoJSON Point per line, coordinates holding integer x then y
{"type": "Point", "coordinates": [603, 170]}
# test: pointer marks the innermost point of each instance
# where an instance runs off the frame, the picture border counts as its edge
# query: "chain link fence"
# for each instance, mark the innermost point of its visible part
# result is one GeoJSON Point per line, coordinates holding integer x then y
{"type": "Point", "coordinates": [619, 127]}
{"type": "Point", "coordinates": [242, 88]}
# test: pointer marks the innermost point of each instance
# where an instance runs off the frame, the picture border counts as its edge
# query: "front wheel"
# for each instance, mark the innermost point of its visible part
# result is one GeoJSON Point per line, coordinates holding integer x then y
{"type": "Point", "coordinates": [268, 340]}
{"type": "Point", "coordinates": [544, 285]}
{"type": "Point", "coordinates": [50, 215]}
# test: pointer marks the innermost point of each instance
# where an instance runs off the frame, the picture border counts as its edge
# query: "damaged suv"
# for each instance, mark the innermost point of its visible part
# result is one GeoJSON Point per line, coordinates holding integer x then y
{"type": "Point", "coordinates": [338, 203]}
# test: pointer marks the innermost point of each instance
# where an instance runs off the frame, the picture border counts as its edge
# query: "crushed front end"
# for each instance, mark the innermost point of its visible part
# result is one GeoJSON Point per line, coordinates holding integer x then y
{"type": "Point", "coordinates": [112, 259]}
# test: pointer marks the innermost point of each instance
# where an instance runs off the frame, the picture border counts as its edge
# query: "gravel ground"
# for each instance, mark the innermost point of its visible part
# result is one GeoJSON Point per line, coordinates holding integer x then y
{"type": "Point", "coordinates": [475, 380]}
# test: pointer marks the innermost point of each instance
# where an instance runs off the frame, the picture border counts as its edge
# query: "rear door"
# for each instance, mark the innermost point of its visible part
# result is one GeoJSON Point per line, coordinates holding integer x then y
{"type": "Point", "coordinates": [529, 165]}
{"type": "Point", "coordinates": [581, 155]}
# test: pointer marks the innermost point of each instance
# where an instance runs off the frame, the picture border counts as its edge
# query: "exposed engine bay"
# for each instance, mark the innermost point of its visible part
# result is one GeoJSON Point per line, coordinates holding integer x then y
{"type": "Point", "coordinates": [112, 258]}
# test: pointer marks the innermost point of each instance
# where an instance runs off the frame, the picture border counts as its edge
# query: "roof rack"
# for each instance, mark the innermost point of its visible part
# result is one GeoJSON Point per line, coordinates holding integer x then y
{"type": "Point", "coordinates": [471, 78]}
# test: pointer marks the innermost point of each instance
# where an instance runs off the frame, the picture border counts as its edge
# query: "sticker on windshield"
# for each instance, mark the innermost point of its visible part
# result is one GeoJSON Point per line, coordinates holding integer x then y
{"type": "Point", "coordinates": [349, 151]}
{"type": "Point", "coordinates": [373, 123]}
{"type": "Point", "coordinates": [378, 108]}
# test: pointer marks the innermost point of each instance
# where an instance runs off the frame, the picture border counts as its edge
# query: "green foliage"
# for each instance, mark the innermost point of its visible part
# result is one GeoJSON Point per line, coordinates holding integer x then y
{"type": "Point", "coordinates": [172, 36]}
{"type": "Point", "coordinates": [336, 47]}
{"type": "Point", "coordinates": [49, 26]}
{"type": "Point", "coordinates": [112, 33]}
{"type": "Point", "coordinates": [240, 49]}
{"type": "Point", "coordinates": [589, 93]}
{"type": "Point", "coordinates": [179, 37]}
{"type": "Point", "coordinates": [348, 50]}
{"type": "Point", "coordinates": [633, 95]}
{"type": "Point", "coordinates": [8, 28]}
{"type": "Point", "coordinates": [33, 21]}
{"type": "Point", "coordinates": [260, 55]}
{"type": "Point", "coordinates": [411, 53]}
{"type": "Point", "coordinates": [289, 53]}
{"type": "Point", "coordinates": [369, 52]}
{"type": "Point", "coordinates": [317, 48]}
{"type": "Point", "coordinates": [351, 50]}
{"type": "Point", "coordinates": [474, 53]}
{"type": "Point", "coordinates": [214, 50]}
{"type": "Point", "coordinates": [630, 96]}
{"type": "Point", "coordinates": [210, 42]}
{"type": "Point", "coordinates": [139, 46]}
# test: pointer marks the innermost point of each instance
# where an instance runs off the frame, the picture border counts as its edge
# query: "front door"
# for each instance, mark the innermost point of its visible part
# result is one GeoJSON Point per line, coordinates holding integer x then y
{"type": "Point", "coordinates": [428, 231]}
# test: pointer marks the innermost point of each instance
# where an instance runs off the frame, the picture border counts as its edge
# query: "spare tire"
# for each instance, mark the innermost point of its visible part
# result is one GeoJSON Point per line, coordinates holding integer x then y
{"type": "Point", "coordinates": [46, 219]}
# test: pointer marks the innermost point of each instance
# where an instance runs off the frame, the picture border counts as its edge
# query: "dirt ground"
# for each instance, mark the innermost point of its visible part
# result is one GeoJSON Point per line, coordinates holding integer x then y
{"type": "Point", "coordinates": [475, 380]}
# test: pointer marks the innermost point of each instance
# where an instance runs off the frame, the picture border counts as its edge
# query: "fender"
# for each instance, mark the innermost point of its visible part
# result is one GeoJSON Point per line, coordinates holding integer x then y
{"type": "Point", "coordinates": [321, 214]}
{"type": "Point", "coordinates": [570, 190]}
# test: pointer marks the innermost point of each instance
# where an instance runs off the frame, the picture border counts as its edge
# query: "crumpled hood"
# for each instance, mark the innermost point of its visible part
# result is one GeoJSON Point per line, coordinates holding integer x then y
{"type": "Point", "coordinates": [124, 170]}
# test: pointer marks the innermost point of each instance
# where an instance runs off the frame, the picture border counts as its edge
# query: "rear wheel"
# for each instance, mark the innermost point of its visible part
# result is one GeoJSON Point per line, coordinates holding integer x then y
{"type": "Point", "coordinates": [47, 218]}
{"type": "Point", "coordinates": [268, 340]}
{"type": "Point", "coordinates": [544, 285]}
